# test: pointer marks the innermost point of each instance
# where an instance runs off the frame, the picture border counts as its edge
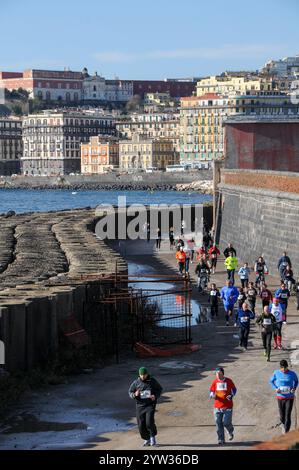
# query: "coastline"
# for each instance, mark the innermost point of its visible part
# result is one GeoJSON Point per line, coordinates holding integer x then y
{"type": "Point", "coordinates": [197, 181]}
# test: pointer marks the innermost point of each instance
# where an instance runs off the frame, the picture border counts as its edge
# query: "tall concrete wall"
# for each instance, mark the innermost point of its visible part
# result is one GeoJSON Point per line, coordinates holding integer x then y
{"type": "Point", "coordinates": [260, 222]}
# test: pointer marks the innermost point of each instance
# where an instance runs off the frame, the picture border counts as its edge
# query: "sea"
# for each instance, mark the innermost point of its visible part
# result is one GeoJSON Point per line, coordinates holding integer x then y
{"type": "Point", "coordinates": [44, 200]}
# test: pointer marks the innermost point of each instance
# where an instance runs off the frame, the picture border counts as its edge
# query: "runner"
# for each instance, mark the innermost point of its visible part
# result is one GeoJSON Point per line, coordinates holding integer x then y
{"type": "Point", "coordinates": [181, 259]}
{"type": "Point", "coordinates": [266, 296]}
{"type": "Point", "coordinates": [191, 245]}
{"type": "Point", "coordinates": [277, 311]}
{"type": "Point", "coordinates": [285, 383]}
{"type": "Point", "coordinates": [223, 390]}
{"type": "Point", "coordinates": [231, 264]}
{"type": "Point", "coordinates": [282, 264]}
{"type": "Point", "coordinates": [251, 296]}
{"type": "Point", "coordinates": [214, 296]}
{"type": "Point", "coordinates": [243, 317]}
{"type": "Point", "coordinates": [228, 250]}
{"type": "Point", "coordinates": [267, 322]}
{"type": "Point", "coordinates": [229, 296]}
{"type": "Point", "coordinates": [288, 277]}
{"type": "Point", "coordinates": [283, 295]}
{"type": "Point", "coordinates": [145, 390]}
{"type": "Point", "coordinates": [261, 269]}
{"type": "Point", "coordinates": [241, 297]}
{"type": "Point", "coordinates": [213, 255]}
{"type": "Point", "coordinates": [244, 272]}
{"type": "Point", "coordinates": [203, 271]}
{"type": "Point", "coordinates": [187, 252]}
{"type": "Point", "coordinates": [200, 253]}
{"type": "Point", "coordinates": [171, 238]}
{"type": "Point", "coordinates": [158, 239]}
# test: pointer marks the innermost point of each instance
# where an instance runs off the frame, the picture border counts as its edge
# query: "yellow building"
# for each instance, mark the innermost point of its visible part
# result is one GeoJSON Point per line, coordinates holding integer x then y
{"type": "Point", "coordinates": [153, 126]}
{"type": "Point", "coordinates": [202, 118]}
{"type": "Point", "coordinates": [141, 153]}
{"type": "Point", "coordinates": [249, 84]}
{"type": "Point", "coordinates": [99, 155]}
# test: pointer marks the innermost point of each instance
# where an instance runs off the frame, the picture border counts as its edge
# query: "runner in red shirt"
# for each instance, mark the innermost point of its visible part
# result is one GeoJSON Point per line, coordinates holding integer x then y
{"type": "Point", "coordinates": [213, 255]}
{"type": "Point", "coordinates": [223, 390]}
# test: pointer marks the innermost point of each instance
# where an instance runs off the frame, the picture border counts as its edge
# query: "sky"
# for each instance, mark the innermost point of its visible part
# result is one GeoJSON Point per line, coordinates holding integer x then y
{"type": "Point", "coordinates": [153, 39]}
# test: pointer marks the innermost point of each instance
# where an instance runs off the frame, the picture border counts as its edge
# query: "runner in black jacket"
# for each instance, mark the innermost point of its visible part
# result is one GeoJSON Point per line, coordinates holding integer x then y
{"type": "Point", "coordinates": [145, 390]}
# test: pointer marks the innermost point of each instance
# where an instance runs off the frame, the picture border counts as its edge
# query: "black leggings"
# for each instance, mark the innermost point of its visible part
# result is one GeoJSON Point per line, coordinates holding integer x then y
{"type": "Point", "coordinates": [244, 333]}
{"type": "Point", "coordinates": [214, 310]}
{"type": "Point", "coordinates": [146, 421]}
{"type": "Point", "coordinates": [277, 329]}
{"type": "Point", "coordinates": [267, 338]}
{"type": "Point", "coordinates": [285, 410]}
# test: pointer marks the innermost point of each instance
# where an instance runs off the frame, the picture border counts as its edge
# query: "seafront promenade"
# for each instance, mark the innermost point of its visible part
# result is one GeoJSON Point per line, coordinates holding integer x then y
{"type": "Point", "coordinates": [184, 415]}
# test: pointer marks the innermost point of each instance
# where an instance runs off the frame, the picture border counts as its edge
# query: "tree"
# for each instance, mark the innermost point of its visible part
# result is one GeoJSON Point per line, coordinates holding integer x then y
{"type": "Point", "coordinates": [17, 109]}
{"type": "Point", "coordinates": [35, 104]}
{"type": "Point", "coordinates": [133, 104]}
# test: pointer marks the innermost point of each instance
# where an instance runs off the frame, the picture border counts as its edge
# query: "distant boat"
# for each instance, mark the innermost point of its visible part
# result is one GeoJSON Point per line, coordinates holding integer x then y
{"type": "Point", "coordinates": [74, 192]}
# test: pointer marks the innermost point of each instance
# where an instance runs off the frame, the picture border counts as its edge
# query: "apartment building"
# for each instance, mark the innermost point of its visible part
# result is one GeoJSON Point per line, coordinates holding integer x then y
{"type": "Point", "coordinates": [52, 140]}
{"type": "Point", "coordinates": [10, 145]}
{"type": "Point", "coordinates": [100, 154]}
{"type": "Point", "coordinates": [141, 153]}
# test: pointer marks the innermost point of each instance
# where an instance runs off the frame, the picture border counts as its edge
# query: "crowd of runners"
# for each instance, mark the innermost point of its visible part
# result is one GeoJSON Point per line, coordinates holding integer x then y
{"type": "Point", "coordinates": [239, 299]}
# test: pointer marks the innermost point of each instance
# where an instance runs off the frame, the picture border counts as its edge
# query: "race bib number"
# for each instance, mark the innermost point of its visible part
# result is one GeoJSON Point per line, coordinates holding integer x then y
{"type": "Point", "coordinates": [251, 293]}
{"type": "Point", "coordinates": [284, 296]}
{"type": "Point", "coordinates": [244, 319]}
{"type": "Point", "coordinates": [285, 390]}
{"type": "Point", "coordinates": [213, 293]}
{"type": "Point", "coordinates": [214, 255]}
{"type": "Point", "coordinates": [240, 297]}
{"type": "Point", "coordinates": [267, 321]}
{"type": "Point", "coordinates": [220, 387]}
{"type": "Point", "coordinates": [145, 394]}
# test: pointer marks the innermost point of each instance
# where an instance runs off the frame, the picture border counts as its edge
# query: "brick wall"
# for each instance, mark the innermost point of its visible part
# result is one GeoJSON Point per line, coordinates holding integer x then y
{"type": "Point", "coordinates": [273, 181]}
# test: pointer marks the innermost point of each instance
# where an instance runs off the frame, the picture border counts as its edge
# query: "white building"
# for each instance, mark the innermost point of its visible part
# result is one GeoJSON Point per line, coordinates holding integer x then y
{"type": "Point", "coordinates": [97, 88]}
{"type": "Point", "coordinates": [286, 67]}
{"type": "Point", "coordinates": [52, 140]}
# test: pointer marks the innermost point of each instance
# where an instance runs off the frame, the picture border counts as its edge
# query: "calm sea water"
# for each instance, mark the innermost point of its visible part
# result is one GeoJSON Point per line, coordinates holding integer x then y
{"type": "Point", "coordinates": [20, 200]}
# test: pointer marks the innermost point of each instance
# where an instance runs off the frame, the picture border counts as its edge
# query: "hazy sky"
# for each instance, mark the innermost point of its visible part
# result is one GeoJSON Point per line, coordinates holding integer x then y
{"type": "Point", "coordinates": [151, 39]}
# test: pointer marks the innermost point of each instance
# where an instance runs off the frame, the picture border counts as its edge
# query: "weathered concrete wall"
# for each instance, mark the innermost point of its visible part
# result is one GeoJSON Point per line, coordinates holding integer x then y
{"type": "Point", "coordinates": [45, 263]}
{"type": "Point", "coordinates": [260, 221]}
{"type": "Point", "coordinates": [263, 145]}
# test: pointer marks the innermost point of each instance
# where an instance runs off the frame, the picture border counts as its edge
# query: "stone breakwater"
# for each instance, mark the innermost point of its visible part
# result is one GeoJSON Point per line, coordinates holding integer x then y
{"type": "Point", "coordinates": [44, 263]}
{"type": "Point", "coordinates": [159, 181]}
{"type": "Point", "coordinates": [205, 187]}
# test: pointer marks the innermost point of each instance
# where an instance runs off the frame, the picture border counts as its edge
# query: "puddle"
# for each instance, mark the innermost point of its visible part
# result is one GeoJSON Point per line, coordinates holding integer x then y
{"type": "Point", "coordinates": [181, 365]}
{"type": "Point", "coordinates": [164, 303]}
{"type": "Point", "coordinates": [63, 423]}
{"type": "Point", "coordinates": [30, 423]}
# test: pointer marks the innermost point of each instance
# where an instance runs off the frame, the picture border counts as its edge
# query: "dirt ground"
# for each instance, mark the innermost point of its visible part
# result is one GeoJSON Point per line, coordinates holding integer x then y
{"type": "Point", "coordinates": [101, 415]}
{"type": "Point", "coordinates": [184, 415]}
